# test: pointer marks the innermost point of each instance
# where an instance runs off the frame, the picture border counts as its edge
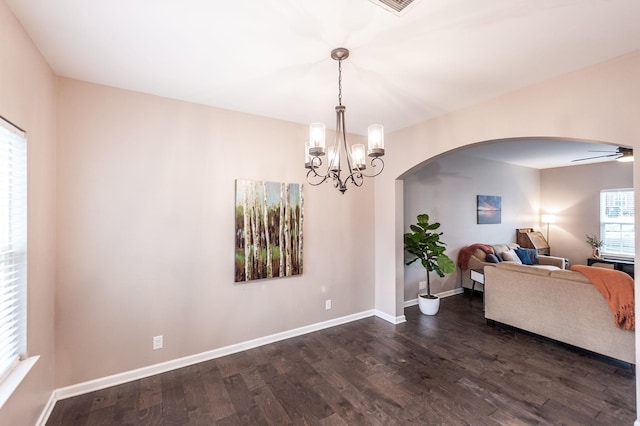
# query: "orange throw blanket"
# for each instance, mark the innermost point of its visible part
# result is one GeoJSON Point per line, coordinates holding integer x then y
{"type": "Point", "coordinates": [617, 289]}
{"type": "Point", "coordinates": [465, 254]}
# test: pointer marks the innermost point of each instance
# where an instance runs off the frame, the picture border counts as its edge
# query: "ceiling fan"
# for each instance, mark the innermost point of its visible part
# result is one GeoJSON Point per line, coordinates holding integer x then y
{"type": "Point", "coordinates": [620, 154]}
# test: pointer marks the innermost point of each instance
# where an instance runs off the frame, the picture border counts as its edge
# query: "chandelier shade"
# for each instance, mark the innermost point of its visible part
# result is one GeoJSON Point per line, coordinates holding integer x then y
{"type": "Point", "coordinates": [344, 163]}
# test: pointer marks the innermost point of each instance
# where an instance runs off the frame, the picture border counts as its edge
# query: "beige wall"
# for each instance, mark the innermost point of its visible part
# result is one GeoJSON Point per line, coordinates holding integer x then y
{"type": "Point", "coordinates": [27, 87]}
{"type": "Point", "coordinates": [573, 195]}
{"type": "Point", "coordinates": [146, 232]}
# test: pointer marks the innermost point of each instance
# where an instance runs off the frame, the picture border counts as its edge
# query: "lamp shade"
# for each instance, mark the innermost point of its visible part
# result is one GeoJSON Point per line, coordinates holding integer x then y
{"type": "Point", "coordinates": [358, 157]}
{"type": "Point", "coordinates": [307, 156]}
{"type": "Point", "coordinates": [317, 134]}
{"type": "Point", "coordinates": [376, 140]}
{"type": "Point", "coordinates": [334, 158]}
{"type": "Point", "coordinates": [548, 218]}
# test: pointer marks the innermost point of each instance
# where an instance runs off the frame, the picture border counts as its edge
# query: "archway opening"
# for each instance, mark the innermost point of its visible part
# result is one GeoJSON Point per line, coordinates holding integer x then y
{"type": "Point", "coordinates": [532, 176]}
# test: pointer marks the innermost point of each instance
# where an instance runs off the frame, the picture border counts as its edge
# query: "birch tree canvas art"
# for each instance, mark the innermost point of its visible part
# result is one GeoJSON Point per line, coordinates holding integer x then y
{"type": "Point", "coordinates": [268, 230]}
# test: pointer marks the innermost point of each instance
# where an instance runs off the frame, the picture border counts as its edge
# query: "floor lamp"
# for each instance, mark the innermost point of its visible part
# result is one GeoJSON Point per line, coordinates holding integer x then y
{"type": "Point", "coordinates": [548, 218]}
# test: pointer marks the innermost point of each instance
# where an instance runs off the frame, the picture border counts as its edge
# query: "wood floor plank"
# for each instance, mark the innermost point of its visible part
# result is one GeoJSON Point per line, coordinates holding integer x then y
{"type": "Point", "coordinates": [174, 410]}
{"type": "Point", "coordinates": [72, 411]}
{"type": "Point", "coordinates": [448, 369]}
{"type": "Point", "coordinates": [150, 392]}
{"type": "Point", "coordinates": [197, 402]}
{"type": "Point", "coordinates": [151, 415]}
{"type": "Point", "coordinates": [242, 399]}
{"type": "Point", "coordinates": [127, 403]}
{"type": "Point", "coordinates": [270, 408]}
{"type": "Point", "coordinates": [341, 407]}
{"type": "Point", "coordinates": [221, 405]}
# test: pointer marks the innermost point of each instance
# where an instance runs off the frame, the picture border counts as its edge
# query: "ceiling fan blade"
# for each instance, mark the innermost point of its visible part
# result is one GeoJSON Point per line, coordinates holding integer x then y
{"type": "Point", "coordinates": [615, 154]}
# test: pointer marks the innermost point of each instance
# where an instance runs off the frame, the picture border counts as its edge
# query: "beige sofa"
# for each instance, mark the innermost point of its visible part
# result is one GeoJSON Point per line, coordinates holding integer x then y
{"type": "Point", "coordinates": [560, 304]}
{"type": "Point", "coordinates": [477, 261]}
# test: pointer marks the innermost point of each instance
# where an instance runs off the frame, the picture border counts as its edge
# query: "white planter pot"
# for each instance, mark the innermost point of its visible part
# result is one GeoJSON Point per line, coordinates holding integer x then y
{"type": "Point", "coordinates": [428, 306]}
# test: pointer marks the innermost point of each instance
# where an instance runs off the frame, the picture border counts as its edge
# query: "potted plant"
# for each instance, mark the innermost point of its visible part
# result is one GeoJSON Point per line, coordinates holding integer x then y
{"type": "Point", "coordinates": [595, 244]}
{"type": "Point", "coordinates": [426, 246]}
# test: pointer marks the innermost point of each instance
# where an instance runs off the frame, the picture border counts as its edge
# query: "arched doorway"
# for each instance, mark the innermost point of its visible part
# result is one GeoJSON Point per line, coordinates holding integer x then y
{"type": "Point", "coordinates": [532, 176]}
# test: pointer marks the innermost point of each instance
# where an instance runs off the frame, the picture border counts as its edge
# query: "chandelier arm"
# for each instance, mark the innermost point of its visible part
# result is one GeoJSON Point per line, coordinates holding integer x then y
{"type": "Point", "coordinates": [337, 181]}
{"type": "Point", "coordinates": [356, 177]}
{"type": "Point", "coordinates": [312, 174]}
{"type": "Point", "coordinates": [378, 159]}
{"type": "Point", "coordinates": [315, 164]}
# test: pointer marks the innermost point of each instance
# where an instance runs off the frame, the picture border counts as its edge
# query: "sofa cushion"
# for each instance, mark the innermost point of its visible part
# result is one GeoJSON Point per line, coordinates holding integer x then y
{"type": "Point", "coordinates": [525, 256]}
{"type": "Point", "coordinates": [510, 255]}
{"type": "Point", "coordinates": [524, 269]}
{"type": "Point", "coordinates": [569, 275]}
{"type": "Point", "coordinates": [545, 267]}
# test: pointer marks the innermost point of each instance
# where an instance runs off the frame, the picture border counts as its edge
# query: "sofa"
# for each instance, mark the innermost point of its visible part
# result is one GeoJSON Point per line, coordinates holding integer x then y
{"type": "Point", "coordinates": [559, 304]}
{"type": "Point", "coordinates": [478, 259]}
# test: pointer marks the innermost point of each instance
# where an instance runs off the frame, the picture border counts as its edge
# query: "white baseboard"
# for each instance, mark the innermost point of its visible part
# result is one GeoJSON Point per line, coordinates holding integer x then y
{"type": "Point", "coordinates": [46, 412]}
{"type": "Point", "coordinates": [414, 302]}
{"type": "Point", "coordinates": [151, 370]}
{"type": "Point", "coordinates": [393, 320]}
{"type": "Point", "coordinates": [453, 292]}
{"type": "Point", "coordinates": [409, 303]}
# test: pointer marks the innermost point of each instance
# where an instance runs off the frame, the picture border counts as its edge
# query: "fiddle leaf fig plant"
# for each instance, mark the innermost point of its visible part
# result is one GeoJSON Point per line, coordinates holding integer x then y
{"type": "Point", "coordinates": [426, 246]}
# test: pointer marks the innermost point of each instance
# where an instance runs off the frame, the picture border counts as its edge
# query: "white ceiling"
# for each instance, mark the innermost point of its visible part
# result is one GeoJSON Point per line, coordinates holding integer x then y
{"type": "Point", "coordinates": [544, 153]}
{"type": "Point", "coordinates": [271, 57]}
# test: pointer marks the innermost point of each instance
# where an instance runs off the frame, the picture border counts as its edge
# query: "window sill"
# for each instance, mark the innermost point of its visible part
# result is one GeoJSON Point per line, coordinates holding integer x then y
{"type": "Point", "coordinates": [13, 380]}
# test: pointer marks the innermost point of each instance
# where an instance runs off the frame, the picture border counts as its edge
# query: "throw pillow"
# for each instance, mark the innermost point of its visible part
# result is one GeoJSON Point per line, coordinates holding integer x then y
{"type": "Point", "coordinates": [500, 259]}
{"type": "Point", "coordinates": [533, 253]}
{"type": "Point", "coordinates": [511, 256]}
{"type": "Point", "coordinates": [524, 256]}
{"type": "Point", "coordinates": [491, 258]}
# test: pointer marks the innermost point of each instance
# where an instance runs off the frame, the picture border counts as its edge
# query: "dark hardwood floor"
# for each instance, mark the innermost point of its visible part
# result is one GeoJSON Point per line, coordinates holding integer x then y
{"type": "Point", "coordinates": [449, 369]}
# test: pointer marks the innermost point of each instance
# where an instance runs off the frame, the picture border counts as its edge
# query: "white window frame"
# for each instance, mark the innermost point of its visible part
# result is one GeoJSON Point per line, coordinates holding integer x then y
{"type": "Point", "coordinates": [14, 361]}
{"type": "Point", "coordinates": [617, 223]}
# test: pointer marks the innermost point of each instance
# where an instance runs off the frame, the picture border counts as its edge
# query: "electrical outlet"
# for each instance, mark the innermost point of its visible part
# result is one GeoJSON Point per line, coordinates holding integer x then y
{"type": "Point", "coordinates": [422, 285]}
{"type": "Point", "coordinates": [327, 304]}
{"type": "Point", "coordinates": [157, 342]}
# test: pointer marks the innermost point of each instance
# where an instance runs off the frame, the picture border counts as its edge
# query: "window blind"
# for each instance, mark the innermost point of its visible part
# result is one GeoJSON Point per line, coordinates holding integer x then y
{"type": "Point", "coordinates": [617, 222]}
{"type": "Point", "coordinates": [13, 246]}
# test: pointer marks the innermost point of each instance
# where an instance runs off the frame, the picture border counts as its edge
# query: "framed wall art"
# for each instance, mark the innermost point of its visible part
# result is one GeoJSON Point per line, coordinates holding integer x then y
{"type": "Point", "coordinates": [268, 230]}
{"type": "Point", "coordinates": [489, 209]}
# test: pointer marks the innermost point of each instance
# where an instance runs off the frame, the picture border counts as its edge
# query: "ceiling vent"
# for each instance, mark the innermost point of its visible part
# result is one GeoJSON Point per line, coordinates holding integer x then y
{"type": "Point", "coordinates": [394, 6]}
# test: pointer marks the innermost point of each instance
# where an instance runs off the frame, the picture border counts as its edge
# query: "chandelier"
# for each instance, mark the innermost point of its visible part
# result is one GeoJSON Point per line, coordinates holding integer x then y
{"type": "Point", "coordinates": [342, 156]}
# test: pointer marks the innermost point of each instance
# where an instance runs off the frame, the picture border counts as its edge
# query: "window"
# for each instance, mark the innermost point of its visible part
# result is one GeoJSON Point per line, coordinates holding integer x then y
{"type": "Point", "coordinates": [13, 251]}
{"type": "Point", "coordinates": [617, 222]}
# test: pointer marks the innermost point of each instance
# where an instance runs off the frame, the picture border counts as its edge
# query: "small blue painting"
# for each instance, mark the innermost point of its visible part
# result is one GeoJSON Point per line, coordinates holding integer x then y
{"type": "Point", "coordinates": [489, 209]}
